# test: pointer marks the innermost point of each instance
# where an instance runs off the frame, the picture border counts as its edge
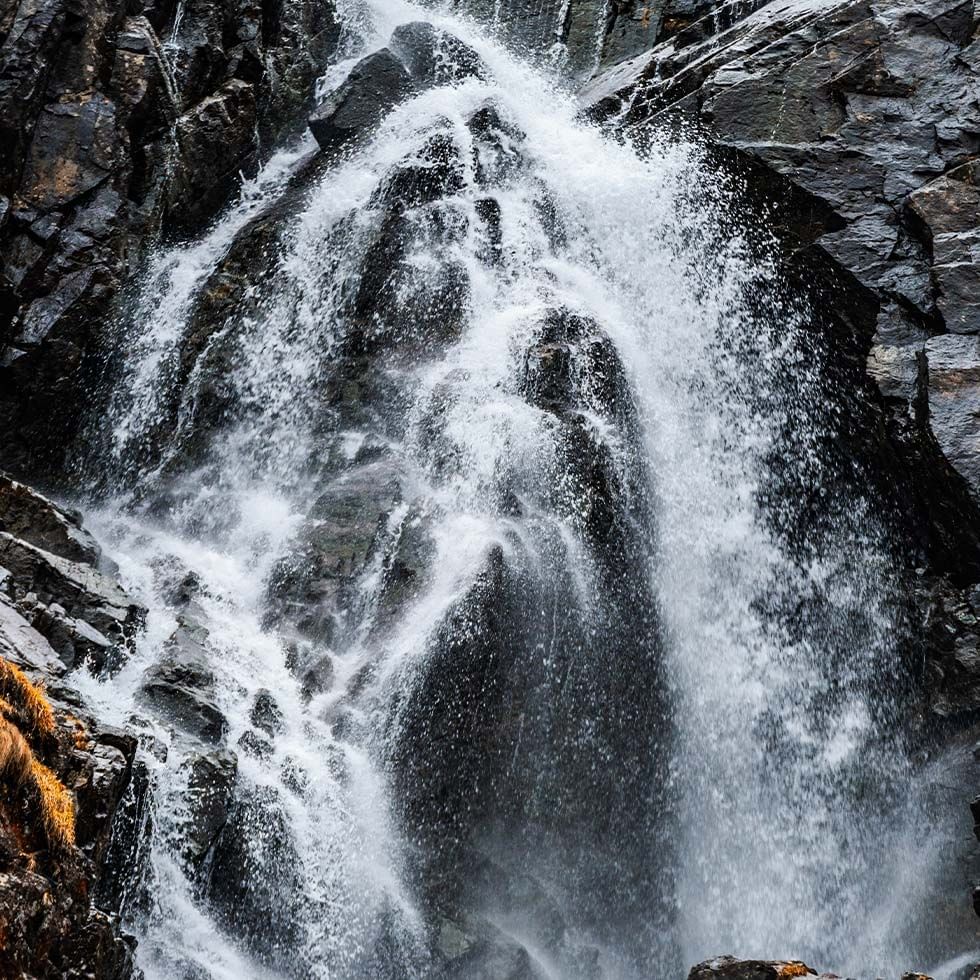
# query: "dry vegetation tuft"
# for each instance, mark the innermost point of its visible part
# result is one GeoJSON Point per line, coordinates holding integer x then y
{"type": "Point", "coordinates": [26, 699]}
{"type": "Point", "coordinates": [15, 754]}
{"type": "Point", "coordinates": [57, 806]}
{"type": "Point", "coordinates": [25, 716]}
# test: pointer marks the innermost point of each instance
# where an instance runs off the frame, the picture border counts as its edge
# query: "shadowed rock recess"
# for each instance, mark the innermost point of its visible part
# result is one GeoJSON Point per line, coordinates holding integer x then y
{"type": "Point", "coordinates": [500, 565]}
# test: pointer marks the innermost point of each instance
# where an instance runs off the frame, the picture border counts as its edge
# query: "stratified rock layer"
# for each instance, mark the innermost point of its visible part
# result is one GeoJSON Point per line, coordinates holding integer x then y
{"type": "Point", "coordinates": [55, 611]}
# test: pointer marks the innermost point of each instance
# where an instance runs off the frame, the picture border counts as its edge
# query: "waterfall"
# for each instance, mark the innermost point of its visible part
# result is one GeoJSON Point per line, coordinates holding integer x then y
{"type": "Point", "coordinates": [462, 523]}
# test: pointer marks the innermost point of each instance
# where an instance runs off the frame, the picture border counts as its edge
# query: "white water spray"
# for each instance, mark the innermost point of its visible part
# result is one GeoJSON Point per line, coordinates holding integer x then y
{"type": "Point", "coordinates": [774, 850]}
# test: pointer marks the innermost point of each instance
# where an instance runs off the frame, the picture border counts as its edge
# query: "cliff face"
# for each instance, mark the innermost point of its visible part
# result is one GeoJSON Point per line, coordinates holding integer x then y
{"type": "Point", "coordinates": [111, 120]}
{"type": "Point", "coordinates": [65, 777]}
{"type": "Point", "coordinates": [855, 129]}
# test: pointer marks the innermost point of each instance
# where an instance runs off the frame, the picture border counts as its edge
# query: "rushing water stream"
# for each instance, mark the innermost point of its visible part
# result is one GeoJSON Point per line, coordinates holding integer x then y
{"type": "Point", "coordinates": [492, 534]}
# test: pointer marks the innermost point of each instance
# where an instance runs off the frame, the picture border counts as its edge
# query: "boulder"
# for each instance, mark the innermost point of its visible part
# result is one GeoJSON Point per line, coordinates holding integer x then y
{"type": "Point", "coordinates": [266, 714]}
{"type": "Point", "coordinates": [180, 687]}
{"type": "Point", "coordinates": [730, 968]}
{"type": "Point", "coordinates": [33, 518]}
{"type": "Point", "coordinates": [419, 56]}
{"type": "Point", "coordinates": [374, 86]}
{"type": "Point", "coordinates": [211, 778]}
{"type": "Point", "coordinates": [435, 57]}
{"type": "Point", "coordinates": [86, 612]}
{"type": "Point", "coordinates": [74, 640]}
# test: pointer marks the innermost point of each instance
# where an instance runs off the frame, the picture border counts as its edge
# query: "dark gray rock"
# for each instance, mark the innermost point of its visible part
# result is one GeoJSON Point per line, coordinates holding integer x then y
{"type": "Point", "coordinates": [577, 36]}
{"type": "Point", "coordinates": [211, 778]}
{"type": "Point", "coordinates": [500, 960]}
{"type": "Point", "coordinates": [253, 884]}
{"type": "Point", "coordinates": [434, 57]}
{"type": "Point", "coordinates": [318, 677]}
{"type": "Point", "coordinates": [948, 208]}
{"type": "Point", "coordinates": [266, 714]}
{"type": "Point", "coordinates": [28, 515]}
{"type": "Point", "coordinates": [74, 640]}
{"type": "Point", "coordinates": [729, 968]}
{"type": "Point", "coordinates": [180, 687]}
{"type": "Point", "coordinates": [200, 53]}
{"type": "Point", "coordinates": [496, 146]}
{"type": "Point", "coordinates": [203, 180]}
{"type": "Point", "coordinates": [374, 87]}
{"type": "Point", "coordinates": [953, 364]}
{"type": "Point", "coordinates": [419, 57]}
{"type": "Point", "coordinates": [23, 645]}
{"type": "Point", "coordinates": [311, 587]}
{"type": "Point", "coordinates": [74, 150]}
{"type": "Point", "coordinates": [39, 578]}
{"type": "Point", "coordinates": [255, 744]}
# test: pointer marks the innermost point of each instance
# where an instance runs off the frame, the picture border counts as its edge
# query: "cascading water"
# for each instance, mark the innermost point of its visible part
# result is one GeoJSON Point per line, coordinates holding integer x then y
{"type": "Point", "coordinates": [455, 516]}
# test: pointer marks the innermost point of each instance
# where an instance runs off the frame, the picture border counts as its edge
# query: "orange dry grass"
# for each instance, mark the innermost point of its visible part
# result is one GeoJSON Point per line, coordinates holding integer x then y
{"type": "Point", "coordinates": [25, 710]}
{"type": "Point", "coordinates": [26, 698]}
{"type": "Point", "coordinates": [794, 969]}
{"type": "Point", "coordinates": [15, 754]}
{"type": "Point", "coordinates": [57, 806]}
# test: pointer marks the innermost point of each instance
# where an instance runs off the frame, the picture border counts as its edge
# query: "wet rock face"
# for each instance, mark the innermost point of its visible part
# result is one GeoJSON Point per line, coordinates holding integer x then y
{"type": "Point", "coordinates": [580, 36]}
{"type": "Point", "coordinates": [867, 112]}
{"type": "Point", "coordinates": [419, 56]}
{"type": "Point", "coordinates": [853, 126]}
{"type": "Point", "coordinates": [81, 613]}
{"type": "Point", "coordinates": [252, 882]}
{"type": "Point", "coordinates": [33, 518]}
{"type": "Point", "coordinates": [51, 610]}
{"type": "Point", "coordinates": [109, 139]}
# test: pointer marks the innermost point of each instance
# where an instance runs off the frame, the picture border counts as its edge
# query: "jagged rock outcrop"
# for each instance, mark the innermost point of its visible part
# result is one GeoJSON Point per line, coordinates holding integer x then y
{"type": "Point", "coordinates": [853, 130]}
{"type": "Point", "coordinates": [853, 127]}
{"type": "Point", "coordinates": [59, 802]}
{"type": "Point", "coordinates": [580, 35]}
{"type": "Point", "coordinates": [418, 57]}
{"type": "Point", "coordinates": [108, 140]}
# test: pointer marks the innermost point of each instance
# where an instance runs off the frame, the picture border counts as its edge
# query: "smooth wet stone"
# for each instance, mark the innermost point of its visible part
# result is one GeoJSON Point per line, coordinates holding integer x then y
{"type": "Point", "coordinates": [211, 778]}
{"type": "Point", "coordinates": [435, 57]}
{"type": "Point", "coordinates": [374, 87]}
